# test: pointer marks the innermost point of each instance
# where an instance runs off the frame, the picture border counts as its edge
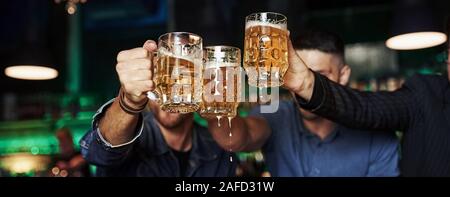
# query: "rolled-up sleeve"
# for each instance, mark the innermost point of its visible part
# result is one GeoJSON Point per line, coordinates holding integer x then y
{"type": "Point", "coordinates": [98, 151]}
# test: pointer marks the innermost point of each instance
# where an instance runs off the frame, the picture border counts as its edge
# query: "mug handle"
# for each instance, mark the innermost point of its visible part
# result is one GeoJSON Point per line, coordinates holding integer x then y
{"type": "Point", "coordinates": [155, 94]}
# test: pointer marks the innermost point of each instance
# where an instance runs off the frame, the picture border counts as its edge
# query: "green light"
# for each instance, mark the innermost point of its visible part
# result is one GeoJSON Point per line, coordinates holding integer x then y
{"type": "Point", "coordinates": [199, 120]}
{"type": "Point", "coordinates": [86, 101]}
{"type": "Point", "coordinates": [67, 116]}
{"type": "Point", "coordinates": [85, 115]}
{"type": "Point", "coordinates": [74, 54]}
{"type": "Point", "coordinates": [34, 150]}
{"type": "Point", "coordinates": [243, 113]}
{"type": "Point", "coordinates": [92, 169]}
{"type": "Point", "coordinates": [38, 137]}
{"type": "Point", "coordinates": [426, 71]}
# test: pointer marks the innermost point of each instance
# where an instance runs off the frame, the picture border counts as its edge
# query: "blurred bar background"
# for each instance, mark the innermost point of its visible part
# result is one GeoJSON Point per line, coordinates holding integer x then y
{"type": "Point", "coordinates": [80, 40]}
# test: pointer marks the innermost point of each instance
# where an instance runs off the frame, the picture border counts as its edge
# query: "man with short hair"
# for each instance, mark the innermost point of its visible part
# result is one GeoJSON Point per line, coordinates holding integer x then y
{"type": "Point", "coordinates": [420, 108]}
{"type": "Point", "coordinates": [296, 142]}
{"type": "Point", "coordinates": [126, 140]}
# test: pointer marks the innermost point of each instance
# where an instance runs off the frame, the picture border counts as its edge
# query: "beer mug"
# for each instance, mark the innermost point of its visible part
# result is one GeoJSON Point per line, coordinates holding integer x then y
{"type": "Point", "coordinates": [177, 72]}
{"type": "Point", "coordinates": [221, 81]}
{"type": "Point", "coordinates": [265, 49]}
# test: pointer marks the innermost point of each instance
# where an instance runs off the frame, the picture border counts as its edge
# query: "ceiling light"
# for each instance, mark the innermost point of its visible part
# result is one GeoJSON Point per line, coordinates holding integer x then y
{"type": "Point", "coordinates": [31, 72]}
{"type": "Point", "coordinates": [416, 40]}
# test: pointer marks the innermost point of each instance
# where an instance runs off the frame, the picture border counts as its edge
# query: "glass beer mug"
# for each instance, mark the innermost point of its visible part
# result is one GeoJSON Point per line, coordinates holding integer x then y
{"type": "Point", "coordinates": [177, 72]}
{"type": "Point", "coordinates": [221, 82]}
{"type": "Point", "coordinates": [265, 49]}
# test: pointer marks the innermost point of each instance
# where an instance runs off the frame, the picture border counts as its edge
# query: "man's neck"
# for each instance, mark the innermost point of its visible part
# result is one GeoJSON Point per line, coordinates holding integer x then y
{"type": "Point", "coordinates": [180, 137]}
{"type": "Point", "coordinates": [320, 126]}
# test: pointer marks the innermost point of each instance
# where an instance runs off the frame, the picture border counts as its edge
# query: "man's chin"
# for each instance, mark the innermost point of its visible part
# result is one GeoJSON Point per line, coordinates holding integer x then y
{"type": "Point", "coordinates": [170, 125]}
{"type": "Point", "coordinates": [308, 115]}
{"type": "Point", "coordinates": [171, 120]}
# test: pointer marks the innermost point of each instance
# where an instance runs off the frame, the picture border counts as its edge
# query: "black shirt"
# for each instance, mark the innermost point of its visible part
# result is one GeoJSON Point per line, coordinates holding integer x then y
{"type": "Point", "coordinates": [420, 108]}
{"type": "Point", "coordinates": [183, 160]}
{"type": "Point", "coordinates": [148, 154]}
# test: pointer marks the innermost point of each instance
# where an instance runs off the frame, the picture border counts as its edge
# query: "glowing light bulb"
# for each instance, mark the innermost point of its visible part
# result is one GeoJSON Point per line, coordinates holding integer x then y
{"type": "Point", "coordinates": [416, 40]}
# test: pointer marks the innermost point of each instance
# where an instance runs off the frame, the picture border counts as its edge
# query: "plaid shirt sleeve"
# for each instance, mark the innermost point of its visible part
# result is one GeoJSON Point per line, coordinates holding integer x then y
{"type": "Point", "coordinates": [357, 109]}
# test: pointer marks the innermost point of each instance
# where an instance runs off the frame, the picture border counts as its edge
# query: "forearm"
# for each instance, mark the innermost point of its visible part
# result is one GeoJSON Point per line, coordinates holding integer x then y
{"type": "Point", "coordinates": [135, 71]}
{"type": "Point", "coordinates": [356, 109]}
{"type": "Point", "coordinates": [118, 126]}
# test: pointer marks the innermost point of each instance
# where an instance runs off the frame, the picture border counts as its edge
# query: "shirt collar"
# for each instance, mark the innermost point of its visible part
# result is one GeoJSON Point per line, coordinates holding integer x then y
{"type": "Point", "coordinates": [330, 138]}
{"type": "Point", "coordinates": [333, 135]}
{"type": "Point", "coordinates": [304, 131]}
{"type": "Point", "coordinates": [203, 147]}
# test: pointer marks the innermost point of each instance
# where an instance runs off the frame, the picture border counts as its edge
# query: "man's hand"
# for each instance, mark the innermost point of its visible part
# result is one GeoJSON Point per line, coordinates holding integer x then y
{"type": "Point", "coordinates": [298, 78]}
{"type": "Point", "coordinates": [135, 70]}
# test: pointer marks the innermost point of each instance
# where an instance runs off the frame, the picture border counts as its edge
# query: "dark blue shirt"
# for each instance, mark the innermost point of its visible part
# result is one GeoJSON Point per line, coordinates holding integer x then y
{"type": "Point", "coordinates": [148, 154]}
{"type": "Point", "coordinates": [292, 150]}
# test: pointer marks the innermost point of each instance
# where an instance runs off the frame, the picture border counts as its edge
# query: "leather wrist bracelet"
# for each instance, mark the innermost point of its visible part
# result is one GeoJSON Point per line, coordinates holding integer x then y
{"type": "Point", "coordinates": [126, 108]}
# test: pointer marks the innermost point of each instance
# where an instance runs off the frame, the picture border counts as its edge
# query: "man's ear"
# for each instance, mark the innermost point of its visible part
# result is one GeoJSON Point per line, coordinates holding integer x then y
{"type": "Point", "coordinates": [344, 75]}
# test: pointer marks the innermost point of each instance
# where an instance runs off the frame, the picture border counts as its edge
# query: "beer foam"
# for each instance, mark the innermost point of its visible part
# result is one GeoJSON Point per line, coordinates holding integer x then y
{"type": "Point", "coordinates": [261, 23]}
{"type": "Point", "coordinates": [167, 53]}
{"type": "Point", "coordinates": [220, 64]}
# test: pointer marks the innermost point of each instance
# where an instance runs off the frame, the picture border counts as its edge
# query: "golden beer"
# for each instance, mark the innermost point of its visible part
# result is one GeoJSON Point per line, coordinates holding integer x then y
{"type": "Point", "coordinates": [177, 73]}
{"type": "Point", "coordinates": [221, 78]}
{"type": "Point", "coordinates": [265, 49]}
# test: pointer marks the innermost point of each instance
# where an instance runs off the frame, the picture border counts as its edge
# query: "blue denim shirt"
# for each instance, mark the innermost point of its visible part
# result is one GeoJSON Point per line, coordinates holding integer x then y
{"type": "Point", "coordinates": [292, 150]}
{"type": "Point", "coordinates": [148, 154]}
